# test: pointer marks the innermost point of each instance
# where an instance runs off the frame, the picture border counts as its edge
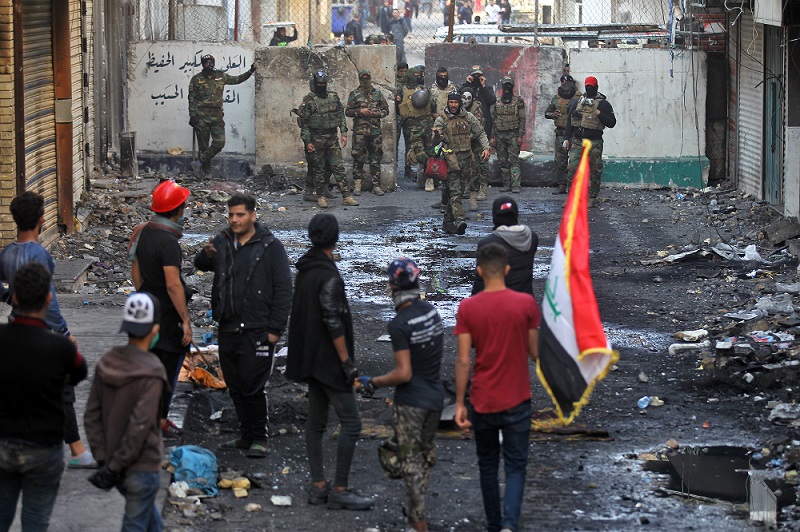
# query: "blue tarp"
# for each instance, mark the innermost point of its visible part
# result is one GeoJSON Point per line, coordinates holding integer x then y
{"type": "Point", "coordinates": [195, 466]}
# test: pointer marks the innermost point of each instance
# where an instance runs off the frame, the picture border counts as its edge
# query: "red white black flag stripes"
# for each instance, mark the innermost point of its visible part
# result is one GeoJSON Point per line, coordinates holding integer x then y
{"type": "Point", "coordinates": [573, 351]}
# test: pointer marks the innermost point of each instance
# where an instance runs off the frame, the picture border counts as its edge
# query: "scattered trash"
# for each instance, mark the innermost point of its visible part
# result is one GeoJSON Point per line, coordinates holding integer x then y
{"type": "Point", "coordinates": [655, 401]}
{"type": "Point", "coordinates": [777, 304]}
{"type": "Point", "coordinates": [196, 466]}
{"type": "Point", "coordinates": [643, 402]}
{"type": "Point", "coordinates": [746, 315]}
{"type": "Point", "coordinates": [178, 489]}
{"type": "Point", "coordinates": [252, 507]}
{"type": "Point", "coordinates": [793, 288]}
{"type": "Point", "coordinates": [176, 150]}
{"type": "Point", "coordinates": [281, 500]}
{"type": "Point", "coordinates": [216, 416]}
{"type": "Point", "coordinates": [672, 443]}
{"type": "Point", "coordinates": [239, 493]}
{"type": "Point", "coordinates": [691, 336]}
{"type": "Point", "coordinates": [785, 412]}
{"type": "Point", "coordinates": [674, 349]}
{"type": "Point", "coordinates": [384, 338]}
{"type": "Point", "coordinates": [642, 377]}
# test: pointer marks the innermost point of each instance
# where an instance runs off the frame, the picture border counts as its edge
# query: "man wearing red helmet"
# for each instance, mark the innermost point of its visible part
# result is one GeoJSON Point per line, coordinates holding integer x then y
{"type": "Point", "coordinates": [588, 115]}
{"type": "Point", "coordinates": [417, 340]}
{"type": "Point", "coordinates": [205, 108]}
{"type": "Point", "coordinates": [156, 260]}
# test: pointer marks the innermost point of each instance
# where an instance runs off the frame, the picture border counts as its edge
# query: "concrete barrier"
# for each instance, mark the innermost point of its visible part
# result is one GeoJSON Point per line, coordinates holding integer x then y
{"type": "Point", "coordinates": [282, 82]}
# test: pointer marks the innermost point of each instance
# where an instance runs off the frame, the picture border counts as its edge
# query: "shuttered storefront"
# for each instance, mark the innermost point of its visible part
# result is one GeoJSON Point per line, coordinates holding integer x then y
{"type": "Point", "coordinates": [77, 67]}
{"type": "Point", "coordinates": [39, 106]}
{"type": "Point", "coordinates": [750, 103]}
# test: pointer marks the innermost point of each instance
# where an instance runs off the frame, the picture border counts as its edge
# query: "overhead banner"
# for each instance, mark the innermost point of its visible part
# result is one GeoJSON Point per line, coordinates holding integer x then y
{"type": "Point", "coordinates": [574, 353]}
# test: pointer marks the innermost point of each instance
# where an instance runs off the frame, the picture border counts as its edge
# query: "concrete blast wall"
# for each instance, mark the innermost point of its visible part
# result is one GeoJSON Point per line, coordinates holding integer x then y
{"type": "Point", "coordinates": [283, 80]}
{"type": "Point", "coordinates": [535, 71]}
{"type": "Point", "coordinates": [158, 90]}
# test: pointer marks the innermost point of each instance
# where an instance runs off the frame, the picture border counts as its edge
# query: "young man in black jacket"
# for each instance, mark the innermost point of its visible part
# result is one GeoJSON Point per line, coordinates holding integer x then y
{"type": "Point", "coordinates": [520, 242]}
{"type": "Point", "coordinates": [321, 355]}
{"type": "Point", "coordinates": [250, 300]}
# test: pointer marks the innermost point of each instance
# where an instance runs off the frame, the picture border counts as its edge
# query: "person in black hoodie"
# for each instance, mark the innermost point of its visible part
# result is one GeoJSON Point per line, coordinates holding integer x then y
{"type": "Point", "coordinates": [321, 354]}
{"type": "Point", "coordinates": [250, 300]}
{"type": "Point", "coordinates": [520, 242]}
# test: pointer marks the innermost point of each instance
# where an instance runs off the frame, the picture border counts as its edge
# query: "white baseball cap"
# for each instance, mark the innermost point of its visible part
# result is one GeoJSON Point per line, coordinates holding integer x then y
{"type": "Point", "coordinates": [141, 312]}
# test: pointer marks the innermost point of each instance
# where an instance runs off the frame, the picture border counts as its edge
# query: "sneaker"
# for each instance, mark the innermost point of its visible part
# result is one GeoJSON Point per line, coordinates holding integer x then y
{"type": "Point", "coordinates": [350, 201]}
{"type": "Point", "coordinates": [257, 450]}
{"type": "Point", "coordinates": [169, 429]}
{"type": "Point", "coordinates": [515, 190]}
{"type": "Point", "coordinates": [378, 191]}
{"type": "Point", "coordinates": [461, 227]}
{"type": "Point", "coordinates": [429, 185]}
{"type": "Point", "coordinates": [348, 499]}
{"type": "Point", "coordinates": [83, 461]}
{"type": "Point", "coordinates": [239, 443]}
{"type": "Point", "coordinates": [322, 203]}
{"type": "Point", "coordinates": [319, 495]}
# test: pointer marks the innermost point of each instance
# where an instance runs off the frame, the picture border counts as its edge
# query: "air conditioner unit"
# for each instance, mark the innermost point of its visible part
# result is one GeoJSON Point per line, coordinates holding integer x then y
{"type": "Point", "coordinates": [768, 12]}
{"type": "Point", "coordinates": [201, 23]}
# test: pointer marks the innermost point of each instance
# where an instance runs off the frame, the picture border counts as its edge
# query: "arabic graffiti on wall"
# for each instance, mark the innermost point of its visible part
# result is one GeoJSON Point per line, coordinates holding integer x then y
{"type": "Point", "coordinates": [158, 88]}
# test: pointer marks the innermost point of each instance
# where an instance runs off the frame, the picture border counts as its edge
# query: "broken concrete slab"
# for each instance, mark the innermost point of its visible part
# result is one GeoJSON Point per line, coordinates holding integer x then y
{"type": "Point", "coordinates": [782, 230]}
{"type": "Point", "coordinates": [71, 274]}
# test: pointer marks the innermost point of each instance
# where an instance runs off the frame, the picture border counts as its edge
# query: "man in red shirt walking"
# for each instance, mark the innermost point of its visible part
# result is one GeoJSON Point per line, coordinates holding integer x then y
{"type": "Point", "coordinates": [503, 325]}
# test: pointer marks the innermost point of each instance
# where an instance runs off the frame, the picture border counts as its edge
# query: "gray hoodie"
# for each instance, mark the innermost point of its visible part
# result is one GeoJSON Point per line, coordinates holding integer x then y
{"type": "Point", "coordinates": [520, 242]}
{"type": "Point", "coordinates": [121, 418]}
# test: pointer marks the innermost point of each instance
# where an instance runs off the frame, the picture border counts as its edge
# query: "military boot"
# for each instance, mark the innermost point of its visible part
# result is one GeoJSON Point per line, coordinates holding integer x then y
{"type": "Point", "coordinates": [377, 190]}
{"type": "Point", "coordinates": [429, 185]}
{"type": "Point", "coordinates": [357, 188]}
{"type": "Point", "coordinates": [206, 167]}
{"type": "Point", "coordinates": [349, 201]}
{"type": "Point", "coordinates": [482, 192]}
{"type": "Point", "coordinates": [322, 203]}
{"type": "Point", "coordinates": [473, 201]}
{"type": "Point", "coordinates": [310, 197]}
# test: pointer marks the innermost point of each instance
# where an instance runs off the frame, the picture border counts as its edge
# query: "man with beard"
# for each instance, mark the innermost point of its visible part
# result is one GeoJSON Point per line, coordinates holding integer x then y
{"type": "Point", "coordinates": [417, 116]}
{"type": "Point", "coordinates": [321, 114]}
{"type": "Point", "coordinates": [458, 128]}
{"type": "Point", "coordinates": [588, 116]}
{"type": "Point", "coordinates": [205, 109]}
{"type": "Point", "coordinates": [480, 169]}
{"type": "Point", "coordinates": [367, 106]}
{"type": "Point", "coordinates": [557, 112]}
{"type": "Point", "coordinates": [508, 115]}
{"type": "Point", "coordinates": [442, 88]}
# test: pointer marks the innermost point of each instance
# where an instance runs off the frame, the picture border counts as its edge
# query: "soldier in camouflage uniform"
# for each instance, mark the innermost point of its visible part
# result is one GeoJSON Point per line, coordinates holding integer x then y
{"type": "Point", "coordinates": [367, 106]}
{"type": "Point", "coordinates": [417, 121]}
{"type": "Point", "coordinates": [205, 108]}
{"type": "Point", "coordinates": [442, 88]}
{"type": "Point", "coordinates": [399, 81]}
{"type": "Point", "coordinates": [417, 340]}
{"type": "Point", "coordinates": [557, 112]}
{"type": "Point", "coordinates": [480, 169]}
{"type": "Point", "coordinates": [321, 114]}
{"type": "Point", "coordinates": [458, 128]}
{"type": "Point", "coordinates": [508, 116]}
{"type": "Point", "coordinates": [588, 116]}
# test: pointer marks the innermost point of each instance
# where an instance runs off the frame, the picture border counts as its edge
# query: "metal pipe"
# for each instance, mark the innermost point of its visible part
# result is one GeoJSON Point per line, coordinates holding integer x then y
{"type": "Point", "coordinates": [236, 20]}
{"type": "Point", "coordinates": [62, 74]}
{"type": "Point", "coordinates": [451, 20]}
{"type": "Point", "coordinates": [19, 98]}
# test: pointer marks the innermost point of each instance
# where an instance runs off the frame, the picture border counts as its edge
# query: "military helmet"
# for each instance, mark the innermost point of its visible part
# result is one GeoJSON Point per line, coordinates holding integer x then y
{"type": "Point", "coordinates": [206, 58]}
{"type": "Point", "coordinates": [507, 81]}
{"type": "Point", "coordinates": [320, 77]}
{"type": "Point", "coordinates": [421, 98]}
{"type": "Point", "coordinates": [388, 456]}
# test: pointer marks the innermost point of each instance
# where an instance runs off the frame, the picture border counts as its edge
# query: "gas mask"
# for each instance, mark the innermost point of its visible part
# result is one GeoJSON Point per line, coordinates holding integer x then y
{"type": "Point", "coordinates": [208, 63]}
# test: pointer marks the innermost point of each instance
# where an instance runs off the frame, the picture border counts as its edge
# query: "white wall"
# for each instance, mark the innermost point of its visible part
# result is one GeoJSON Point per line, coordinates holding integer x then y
{"type": "Point", "coordinates": [158, 85]}
{"type": "Point", "coordinates": [658, 114]}
{"type": "Point", "coordinates": [791, 171]}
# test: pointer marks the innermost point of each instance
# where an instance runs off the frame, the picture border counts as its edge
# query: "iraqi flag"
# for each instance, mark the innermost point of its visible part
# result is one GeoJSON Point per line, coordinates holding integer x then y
{"type": "Point", "coordinates": [573, 350]}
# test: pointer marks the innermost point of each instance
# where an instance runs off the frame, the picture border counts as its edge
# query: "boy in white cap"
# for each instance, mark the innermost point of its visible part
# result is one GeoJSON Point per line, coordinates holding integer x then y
{"type": "Point", "coordinates": [121, 418]}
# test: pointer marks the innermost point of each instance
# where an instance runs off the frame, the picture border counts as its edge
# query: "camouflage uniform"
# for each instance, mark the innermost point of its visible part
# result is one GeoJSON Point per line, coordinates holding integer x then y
{"type": "Point", "coordinates": [458, 133]}
{"type": "Point", "coordinates": [399, 82]}
{"type": "Point", "coordinates": [205, 105]}
{"type": "Point", "coordinates": [416, 122]}
{"type": "Point", "coordinates": [584, 123]}
{"type": "Point", "coordinates": [439, 95]}
{"type": "Point", "coordinates": [558, 103]}
{"type": "Point", "coordinates": [320, 118]}
{"type": "Point", "coordinates": [367, 138]}
{"type": "Point", "coordinates": [416, 431]}
{"type": "Point", "coordinates": [480, 169]}
{"type": "Point", "coordinates": [509, 125]}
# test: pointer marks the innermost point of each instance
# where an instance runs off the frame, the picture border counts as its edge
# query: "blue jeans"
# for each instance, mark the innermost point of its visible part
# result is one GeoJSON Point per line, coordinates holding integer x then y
{"type": "Point", "coordinates": [36, 471]}
{"type": "Point", "coordinates": [515, 424]}
{"type": "Point", "coordinates": [140, 489]}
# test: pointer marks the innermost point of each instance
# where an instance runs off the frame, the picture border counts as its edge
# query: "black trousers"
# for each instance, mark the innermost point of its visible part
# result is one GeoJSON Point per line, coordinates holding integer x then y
{"type": "Point", "coordinates": [172, 364]}
{"type": "Point", "coordinates": [247, 359]}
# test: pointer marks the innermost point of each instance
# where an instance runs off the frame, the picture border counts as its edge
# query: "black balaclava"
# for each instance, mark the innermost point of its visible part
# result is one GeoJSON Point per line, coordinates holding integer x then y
{"type": "Point", "coordinates": [591, 91]}
{"type": "Point", "coordinates": [412, 77]}
{"type": "Point", "coordinates": [365, 80]}
{"type": "Point", "coordinates": [454, 97]}
{"type": "Point", "coordinates": [567, 89]}
{"type": "Point", "coordinates": [319, 84]}
{"type": "Point", "coordinates": [208, 63]}
{"type": "Point", "coordinates": [442, 77]}
{"type": "Point", "coordinates": [508, 92]}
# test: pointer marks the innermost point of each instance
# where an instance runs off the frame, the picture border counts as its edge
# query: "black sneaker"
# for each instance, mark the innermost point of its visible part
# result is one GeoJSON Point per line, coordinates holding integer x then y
{"type": "Point", "coordinates": [319, 495]}
{"type": "Point", "coordinates": [258, 449]}
{"type": "Point", "coordinates": [348, 499]}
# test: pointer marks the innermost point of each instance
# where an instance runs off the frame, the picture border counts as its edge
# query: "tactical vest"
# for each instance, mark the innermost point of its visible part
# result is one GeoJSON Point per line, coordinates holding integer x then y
{"type": "Point", "coordinates": [561, 121]}
{"type": "Point", "coordinates": [372, 101]}
{"type": "Point", "coordinates": [326, 113]}
{"type": "Point", "coordinates": [588, 119]}
{"type": "Point", "coordinates": [459, 134]}
{"type": "Point", "coordinates": [507, 115]}
{"type": "Point", "coordinates": [407, 109]}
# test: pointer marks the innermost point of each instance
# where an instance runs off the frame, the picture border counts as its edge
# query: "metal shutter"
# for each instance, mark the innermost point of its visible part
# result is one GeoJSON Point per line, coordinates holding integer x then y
{"type": "Point", "coordinates": [39, 106]}
{"type": "Point", "coordinates": [750, 122]}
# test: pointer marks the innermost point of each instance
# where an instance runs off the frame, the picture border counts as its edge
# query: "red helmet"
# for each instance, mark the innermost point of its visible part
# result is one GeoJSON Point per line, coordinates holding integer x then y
{"type": "Point", "coordinates": [168, 195]}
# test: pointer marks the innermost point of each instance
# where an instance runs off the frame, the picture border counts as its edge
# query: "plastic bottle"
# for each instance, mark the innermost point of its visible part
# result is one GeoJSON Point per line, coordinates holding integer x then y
{"type": "Point", "coordinates": [644, 402]}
